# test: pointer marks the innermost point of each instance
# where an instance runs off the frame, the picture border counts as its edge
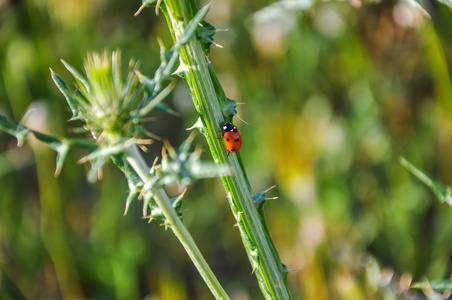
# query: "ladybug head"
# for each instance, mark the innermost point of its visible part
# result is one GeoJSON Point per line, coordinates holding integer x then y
{"type": "Point", "coordinates": [227, 126]}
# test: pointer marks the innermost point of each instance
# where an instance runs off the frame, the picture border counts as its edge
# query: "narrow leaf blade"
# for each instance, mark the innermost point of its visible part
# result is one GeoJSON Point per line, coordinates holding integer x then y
{"type": "Point", "coordinates": [437, 285]}
{"type": "Point", "coordinates": [18, 131]}
{"type": "Point", "coordinates": [78, 76]}
{"type": "Point", "coordinates": [68, 94]}
{"type": "Point", "coordinates": [193, 25]}
{"type": "Point", "coordinates": [440, 192]}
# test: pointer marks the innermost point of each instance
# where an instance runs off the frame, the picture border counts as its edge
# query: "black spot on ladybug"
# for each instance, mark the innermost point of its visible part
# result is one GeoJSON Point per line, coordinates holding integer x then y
{"type": "Point", "coordinates": [228, 140]}
{"type": "Point", "coordinates": [236, 140]}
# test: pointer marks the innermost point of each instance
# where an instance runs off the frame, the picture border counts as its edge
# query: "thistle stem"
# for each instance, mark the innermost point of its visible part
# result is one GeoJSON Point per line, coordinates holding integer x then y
{"type": "Point", "coordinates": [174, 222]}
{"type": "Point", "coordinates": [209, 99]}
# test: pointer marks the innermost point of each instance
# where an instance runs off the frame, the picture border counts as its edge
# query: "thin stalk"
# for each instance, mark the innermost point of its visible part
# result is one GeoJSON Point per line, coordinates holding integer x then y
{"type": "Point", "coordinates": [209, 99]}
{"type": "Point", "coordinates": [174, 222]}
{"type": "Point", "coordinates": [52, 226]}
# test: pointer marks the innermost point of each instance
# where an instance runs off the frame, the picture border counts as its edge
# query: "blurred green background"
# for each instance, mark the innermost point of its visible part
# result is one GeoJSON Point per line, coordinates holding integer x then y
{"type": "Point", "coordinates": [334, 92]}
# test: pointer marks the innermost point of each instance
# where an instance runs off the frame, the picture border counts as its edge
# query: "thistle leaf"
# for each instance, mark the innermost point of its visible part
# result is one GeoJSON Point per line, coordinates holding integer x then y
{"type": "Point", "coordinates": [77, 75]}
{"type": "Point", "coordinates": [18, 131]}
{"type": "Point", "coordinates": [192, 26]}
{"type": "Point", "coordinates": [156, 102]}
{"type": "Point", "coordinates": [205, 34]}
{"type": "Point", "coordinates": [72, 99]}
{"type": "Point", "coordinates": [59, 144]}
{"type": "Point", "coordinates": [130, 197]}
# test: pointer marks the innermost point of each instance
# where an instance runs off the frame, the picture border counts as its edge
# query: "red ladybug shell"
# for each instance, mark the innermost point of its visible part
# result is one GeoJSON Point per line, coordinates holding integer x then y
{"type": "Point", "coordinates": [232, 137]}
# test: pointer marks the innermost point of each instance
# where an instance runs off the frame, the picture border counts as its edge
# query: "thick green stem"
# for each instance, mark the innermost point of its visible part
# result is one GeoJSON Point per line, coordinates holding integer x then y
{"type": "Point", "coordinates": [174, 222]}
{"type": "Point", "coordinates": [209, 100]}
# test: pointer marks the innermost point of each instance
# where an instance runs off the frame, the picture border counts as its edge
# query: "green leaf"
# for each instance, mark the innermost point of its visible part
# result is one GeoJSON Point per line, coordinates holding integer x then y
{"type": "Point", "coordinates": [85, 144]}
{"type": "Point", "coordinates": [62, 151]}
{"type": "Point", "coordinates": [153, 87]}
{"type": "Point", "coordinates": [163, 107]}
{"type": "Point", "coordinates": [437, 285]}
{"type": "Point", "coordinates": [229, 109]}
{"type": "Point", "coordinates": [192, 26]}
{"type": "Point", "coordinates": [177, 203]}
{"type": "Point", "coordinates": [156, 102]}
{"type": "Point", "coordinates": [18, 131]}
{"type": "Point", "coordinates": [62, 146]}
{"type": "Point", "coordinates": [72, 99]}
{"type": "Point", "coordinates": [130, 197]}
{"type": "Point", "coordinates": [180, 166]}
{"type": "Point", "coordinates": [105, 152]}
{"type": "Point", "coordinates": [51, 140]}
{"type": "Point", "coordinates": [59, 144]}
{"type": "Point", "coordinates": [443, 194]}
{"type": "Point", "coordinates": [148, 83]}
{"type": "Point", "coordinates": [260, 198]}
{"type": "Point", "coordinates": [82, 79]}
{"type": "Point", "coordinates": [132, 177]}
{"type": "Point", "coordinates": [205, 34]}
{"type": "Point", "coordinates": [157, 213]}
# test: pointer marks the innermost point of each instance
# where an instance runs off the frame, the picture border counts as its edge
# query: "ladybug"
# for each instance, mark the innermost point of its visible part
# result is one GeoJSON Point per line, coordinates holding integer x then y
{"type": "Point", "coordinates": [232, 137]}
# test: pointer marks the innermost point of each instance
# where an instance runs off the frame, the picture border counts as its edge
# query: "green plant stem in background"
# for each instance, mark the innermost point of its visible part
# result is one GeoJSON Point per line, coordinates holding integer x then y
{"type": "Point", "coordinates": [174, 222]}
{"type": "Point", "coordinates": [209, 100]}
{"type": "Point", "coordinates": [52, 225]}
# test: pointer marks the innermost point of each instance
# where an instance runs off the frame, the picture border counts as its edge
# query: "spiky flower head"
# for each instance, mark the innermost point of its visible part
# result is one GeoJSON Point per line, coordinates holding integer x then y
{"type": "Point", "coordinates": [104, 100]}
